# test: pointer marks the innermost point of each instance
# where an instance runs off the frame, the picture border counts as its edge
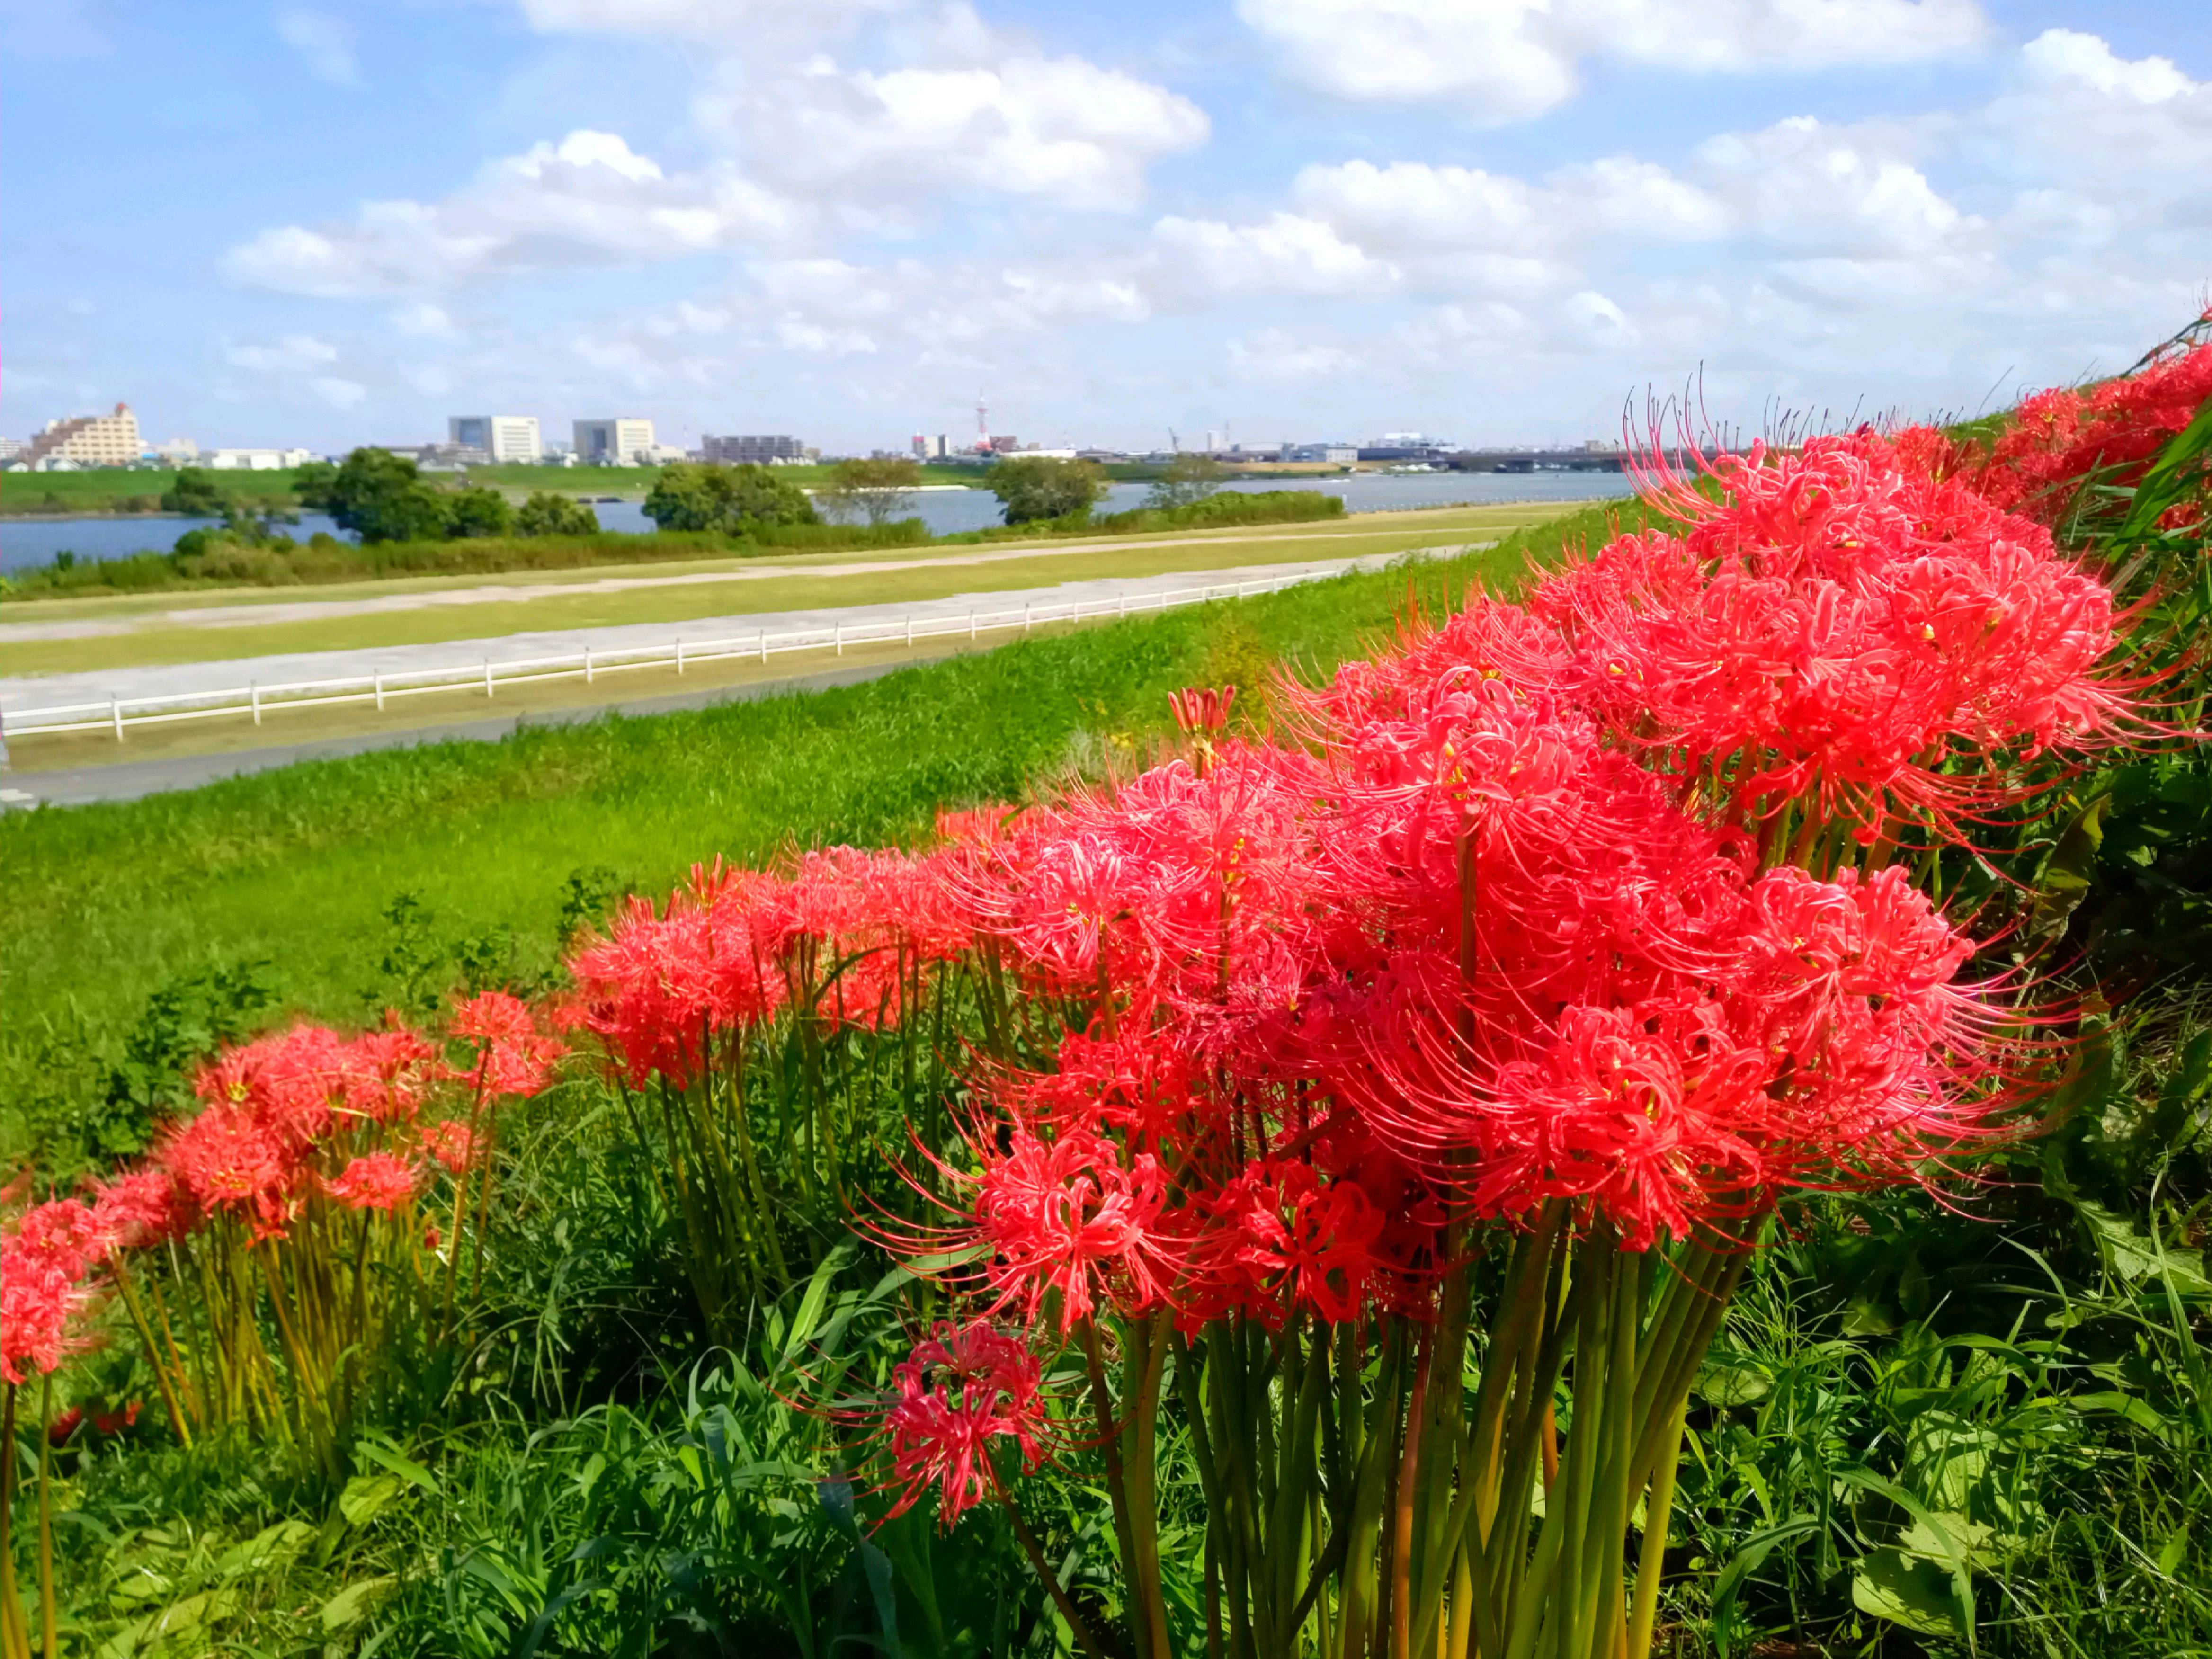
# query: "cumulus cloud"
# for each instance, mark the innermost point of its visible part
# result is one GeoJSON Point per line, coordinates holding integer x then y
{"type": "Point", "coordinates": [589, 199]}
{"type": "Point", "coordinates": [1283, 253]}
{"type": "Point", "coordinates": [1508, 60]}
{"type": "Point", "coordinates": [324, 42]}
{"type": "Point", "coordinates": [1275, 354]}
{"type": "Point", "coordinates": [1060, 129]}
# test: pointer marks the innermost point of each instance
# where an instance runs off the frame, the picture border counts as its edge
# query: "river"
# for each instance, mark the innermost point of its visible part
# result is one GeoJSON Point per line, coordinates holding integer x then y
{"type": "Point", "coordinates": [25, 543]}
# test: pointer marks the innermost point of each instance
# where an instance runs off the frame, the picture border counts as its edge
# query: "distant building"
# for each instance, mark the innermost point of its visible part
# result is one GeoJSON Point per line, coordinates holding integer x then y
{"type": "Point", "coordinates": [178, 451]}
{"type": "Point", "coordinates": [662, 454]}
{"type": "Point", "coordinates": [927, 448]}
{"type": "Point", "coordinates": [10, 448]}
{"type": "Point", "coordinates": [509, 439]}
{"type": "Point", "coordinates": [623, 441]}
{"type": "Point", "coordinates": [1339, 454]}
{"type": "Point", "coordinates": [451, 458]}
{"type": "Point", "coordinates": [255, 460]}
{"type": "Point", "coordinates": [761, 451]}
{"type": "Point", "coordinates": [1004, 443]}
{"type": "Point", "coordinates": [87, 440]}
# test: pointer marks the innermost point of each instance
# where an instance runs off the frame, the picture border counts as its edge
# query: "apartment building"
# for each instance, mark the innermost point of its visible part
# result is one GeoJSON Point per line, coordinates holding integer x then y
{"type": "Point", "coordinates": [621, 442]}
{"type": "Point", "coordinates": [509, 439]}
{"type": "Point", "coordinates": [88, 441]}
{"type": "Point", "coordinates": [760, 451]}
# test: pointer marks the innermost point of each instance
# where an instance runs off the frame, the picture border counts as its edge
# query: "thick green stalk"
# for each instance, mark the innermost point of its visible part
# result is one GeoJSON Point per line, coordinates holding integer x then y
{"type": "Point", "coordinates": [15, 1634]}
{"type": "Point", "coordinates": [49, 1638]}
{"type": "Point", "coordinates": [1650, 1565]}
{"type": "Point", "coordinates": [1109, 1444]}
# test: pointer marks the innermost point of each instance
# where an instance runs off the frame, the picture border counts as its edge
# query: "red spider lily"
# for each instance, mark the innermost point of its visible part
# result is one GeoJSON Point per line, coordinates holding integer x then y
{"type": "Point", "coordinates": [514, 1057]}
{"type": "Point", "coordinates": [39, 1296]}
{"type": "Point", "coordinates": [1070, 1224]}
{"type": "Point", "coordinates": [142, 1209]}
{"type": "Point", "coordinates": [112, 1423]}
{"type": "Point", "coordinates": [1830, 628]}
{"type": "Point", "coordinates": [450, 1143]}
{"type": "Point", "coordinates": [374, 1181]}
{"type": "Point", "coordinates": [1202, 709]}
{"type": "Point", "coordinates": [2060, 440]}
{"type": "Point", "coordinates": [962, 1389]}
{"type": "Point", "coordinates": [63, 1426]}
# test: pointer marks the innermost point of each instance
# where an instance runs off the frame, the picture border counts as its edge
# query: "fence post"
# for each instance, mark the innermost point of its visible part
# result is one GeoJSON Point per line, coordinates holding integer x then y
{"type": "Point", "coordinates": [764, 644]}
{"type": "Point", "coordinates": [910, 630]}
{"type": "Point", "coordinates": [587, 664]}
{"type": "Point", "coordinates": [840, 639]}
{"type": "Point", "coordinates": [1025, 618]}
{"type": "Point", "coordinates": [486, 677]}
{"type": "Point", "coordinates": [379, 691]}
{"type": "Point", "coordinates": [679, 656]}
{"type": "Point", "coordinates": [253, 691]}
{"type": "Point", "coordinates": [115, 714]}
{"type": "Point", "coordinates": [971, 628]}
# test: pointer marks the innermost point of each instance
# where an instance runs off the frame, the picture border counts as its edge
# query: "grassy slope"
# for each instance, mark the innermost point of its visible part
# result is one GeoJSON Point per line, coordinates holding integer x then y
{"type": "Point", "coordinates": [294, 868]}
{"type": "Point", "coordinates": [104, 489]}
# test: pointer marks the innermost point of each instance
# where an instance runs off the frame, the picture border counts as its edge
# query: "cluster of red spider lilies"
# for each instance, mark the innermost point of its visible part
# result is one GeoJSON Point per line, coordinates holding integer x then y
{"type": "Point", "coordinates": [1388, 1092]}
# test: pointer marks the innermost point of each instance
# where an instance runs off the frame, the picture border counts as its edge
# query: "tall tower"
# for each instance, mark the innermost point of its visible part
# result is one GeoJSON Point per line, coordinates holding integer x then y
{"type": "Point", "coordinates": [982, 424]}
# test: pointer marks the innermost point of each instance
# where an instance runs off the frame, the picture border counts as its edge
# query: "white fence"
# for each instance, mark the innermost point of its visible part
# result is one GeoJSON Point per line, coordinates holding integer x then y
{"type": "Point", "coordinates": [116, 713]}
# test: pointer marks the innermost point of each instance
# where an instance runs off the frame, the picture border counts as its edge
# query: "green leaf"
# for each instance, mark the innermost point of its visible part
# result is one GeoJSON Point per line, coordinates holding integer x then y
{"type": "Point", "coordinates": [1908, 1590]}
{"type": "Point", "coordinates": [2173, 1551]}
{"type": "Point", "coordinates": [273, 1547]}
{"type": "Point", "coordinates": [1733, 1381]}
{"type": "Point", "coordinates": [357, 1600]}
{"type": "Point", "coordinates": [2135, 1256]}
{"type": "Point", "coordinates": [406, 1467]}
{"type": "Point", "coordinates": [367, 1496]}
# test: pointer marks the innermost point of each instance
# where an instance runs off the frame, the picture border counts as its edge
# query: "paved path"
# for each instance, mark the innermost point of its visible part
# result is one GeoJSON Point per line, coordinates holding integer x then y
{"type": "Point", "coordinates": [180, 679]}
{"type": "Point", "coordinates": [130, 780]}
{"type": "Point", "coordinates": [298, 611]}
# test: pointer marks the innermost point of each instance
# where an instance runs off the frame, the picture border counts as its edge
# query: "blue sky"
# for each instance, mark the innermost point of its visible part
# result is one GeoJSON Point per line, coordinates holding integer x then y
{"type": "Point", "coordinates": [340, 221]}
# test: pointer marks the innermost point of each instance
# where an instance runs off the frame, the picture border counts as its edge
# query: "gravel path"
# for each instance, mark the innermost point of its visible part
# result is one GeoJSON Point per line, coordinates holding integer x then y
{"type": "Point", "coordinates": [178, 679]}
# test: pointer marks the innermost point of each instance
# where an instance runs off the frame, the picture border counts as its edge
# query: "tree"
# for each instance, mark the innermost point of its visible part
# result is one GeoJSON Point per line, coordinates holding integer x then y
{"type": "Point", "coordinates": [689, 496]}
{"type": "Point", "coordinates": [312, 483]}
{"type": "Point", "coordinates": [872, 492]}
{"type": "Point", "coordinates": [1034, 486]}
{"type": "Point", "coordinates": [382, 497]}
{"type": "Point", "coordinates": [548, 514]}
{"type": "Point", "coordinates": [475, 510]}
{"type": "Point", "coordinates": [193, 493]}
{"type": "Point", "coordinates": [1191, 478]}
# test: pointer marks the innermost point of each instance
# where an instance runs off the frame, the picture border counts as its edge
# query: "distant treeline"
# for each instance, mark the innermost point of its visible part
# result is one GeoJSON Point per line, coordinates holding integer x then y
{"type": "Point", "coordinates": [259, 557]}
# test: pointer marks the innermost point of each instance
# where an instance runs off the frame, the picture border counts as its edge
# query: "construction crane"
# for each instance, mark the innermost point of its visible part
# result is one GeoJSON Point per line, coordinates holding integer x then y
{"type": "Point", "coordinates": [1175, 444]}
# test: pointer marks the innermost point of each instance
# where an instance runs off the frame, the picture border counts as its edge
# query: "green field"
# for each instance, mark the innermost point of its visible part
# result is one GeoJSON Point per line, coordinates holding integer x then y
{"type": "Point", "coordinates": [120, 490]}
{"type": "Point", "coordinates": [751, 587]}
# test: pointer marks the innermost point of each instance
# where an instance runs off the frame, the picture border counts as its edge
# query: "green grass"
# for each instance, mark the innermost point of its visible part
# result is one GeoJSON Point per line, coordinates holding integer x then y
{"type": "Point", "coordinates": [121, 489]}
{"type": "Point", "coordinates": [628, 481]}
{"type": "Point", "coordinates": [295, 869]}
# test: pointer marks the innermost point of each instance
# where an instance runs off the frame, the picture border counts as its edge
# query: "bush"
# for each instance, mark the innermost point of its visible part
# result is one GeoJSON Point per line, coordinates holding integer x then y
{"type": "Point", "coordinates": [732, 499]}
{"type": "Point", "coordinates": [548, 514]}
{"type": "Point", "coordinates": [1035, 487]}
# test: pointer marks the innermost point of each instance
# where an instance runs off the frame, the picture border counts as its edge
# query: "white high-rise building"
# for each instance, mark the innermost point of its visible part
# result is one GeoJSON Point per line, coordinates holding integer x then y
{"type": "Point", "coordinates": [88, 441]}
{"type": "Point", "coordinates": [622, 441]}
{"type": "Point", "coordinates": [510, 440]}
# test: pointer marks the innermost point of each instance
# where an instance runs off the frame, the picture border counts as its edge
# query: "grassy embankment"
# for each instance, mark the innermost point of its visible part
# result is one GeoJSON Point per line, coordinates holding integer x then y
{"type": "Point", "coordinates": [208, 628]}
{"type": "Point", "coordinates": [295, 870]}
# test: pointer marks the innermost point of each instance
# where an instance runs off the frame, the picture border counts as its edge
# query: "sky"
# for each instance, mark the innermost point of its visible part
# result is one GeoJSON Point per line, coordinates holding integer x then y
{"type": "Point", "coordinates": [1490, 221]}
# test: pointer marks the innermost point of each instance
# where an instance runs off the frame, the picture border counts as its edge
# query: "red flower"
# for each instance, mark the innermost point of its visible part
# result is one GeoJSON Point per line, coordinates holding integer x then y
{"type": "Point", "coordinates": [116, 1422]}
{"type": "Point", "coordinates": [64, 1425]}
{"type": "Point", "coordinates": [374, 1181]}
{"type": "Point", "coordinates": [449, 1142]}
{"type": "Point", "coordinates": [964, 1389]}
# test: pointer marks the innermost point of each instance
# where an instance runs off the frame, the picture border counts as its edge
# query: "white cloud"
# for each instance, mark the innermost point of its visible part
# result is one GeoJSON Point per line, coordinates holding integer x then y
{"type": "Point", "coordinates": [1807, 183]}
{"type": "Point", "coordinates": [1507, 60]}
{"type": "Point", "coordinates": [1061, 129]}
{"type": "Point", "coordinates": [1286, 253]}
{"type": "Point", "coordinates": [339, 393]}
{"type": "Point", "coordinates": [1274, 353]}
{"type": "Point", "coordinates": [2066, 58]}
{"type": "Point", "coordinates": [296, 354]}
{"type": "Point", "coordinates": [324, 42]}
{"type": "Point", "coordinates": [589, 199]}
{"type": "Point", "coordinates": [424, 321]}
